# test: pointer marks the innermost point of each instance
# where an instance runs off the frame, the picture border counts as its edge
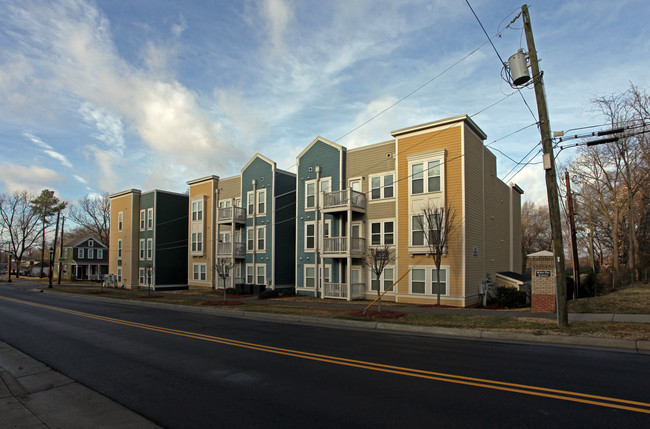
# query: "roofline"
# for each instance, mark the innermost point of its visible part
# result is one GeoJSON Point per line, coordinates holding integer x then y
{"type": "Point", "coordinates": [288, 173]}
{"type": "Point", "coordinates": [460, 118]}
{"type": "Point", "coordinates": [356, 149]}
{"type": "Point", "coordinates": [263, 158]}
{"type": "Point", "coordinates": [125, 192]}
{"type": "Point", "coordinates": [516, 188]}
{"type": "Point", "coordinates": [202, 179]}
{"type": "Point", "coordinates": [324, 140]}
{"type": "Point", "coordinates": [164, 192]}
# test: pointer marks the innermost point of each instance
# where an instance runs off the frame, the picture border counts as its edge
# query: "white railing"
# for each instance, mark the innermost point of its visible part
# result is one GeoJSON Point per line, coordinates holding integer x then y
{"type": "Point", "coordinates": [228, 214]}
{"type": "Point", "coordinates": [340, 290]}
{"type": "Point", "coordinates": [226, 249]}
{"type": "Point", "coordinates": [343, 199]}
{"type": "Point", "coordinates": [340, 245]}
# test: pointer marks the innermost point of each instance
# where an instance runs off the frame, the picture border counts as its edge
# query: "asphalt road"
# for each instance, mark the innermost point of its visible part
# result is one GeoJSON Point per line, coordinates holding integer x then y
{"type": "Point", "coordinates": [188, 370]}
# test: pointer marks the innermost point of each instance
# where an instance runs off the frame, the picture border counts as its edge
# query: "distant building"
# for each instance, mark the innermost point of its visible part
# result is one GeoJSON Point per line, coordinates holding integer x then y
{"type": "Point", "coordinates": [84, 258]}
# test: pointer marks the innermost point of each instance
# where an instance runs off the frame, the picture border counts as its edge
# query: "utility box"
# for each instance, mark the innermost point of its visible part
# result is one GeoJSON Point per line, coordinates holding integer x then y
{"type": "Point", "coordinates": [543, 281]}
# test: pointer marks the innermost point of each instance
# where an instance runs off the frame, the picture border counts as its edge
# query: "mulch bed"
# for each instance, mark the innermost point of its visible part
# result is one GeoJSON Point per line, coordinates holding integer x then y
{"type": "Point", "coordinates": [221, 303]}
{"type": "Point", "coordinates": [374, 314]}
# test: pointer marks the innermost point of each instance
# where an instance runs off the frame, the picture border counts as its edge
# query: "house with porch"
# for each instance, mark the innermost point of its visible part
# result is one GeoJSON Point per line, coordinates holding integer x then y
{"type": "Point", "coordinates": [84, 258]}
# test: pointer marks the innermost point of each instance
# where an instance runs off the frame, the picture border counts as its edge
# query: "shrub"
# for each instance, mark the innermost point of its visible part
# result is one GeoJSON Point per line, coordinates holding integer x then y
{"type": "Point", "coordinates": [510, 297]}
{"type": "Point", "coordinates": [589, 285]}
{"type": "Point", "coordinates": [288, 292]}
{"type": "Point", "coordinates": [268, 293]}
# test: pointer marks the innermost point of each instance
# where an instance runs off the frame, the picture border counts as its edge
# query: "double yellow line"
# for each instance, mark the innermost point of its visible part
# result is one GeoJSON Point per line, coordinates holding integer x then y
{"type": "Point", "coordinates": [603, 401]}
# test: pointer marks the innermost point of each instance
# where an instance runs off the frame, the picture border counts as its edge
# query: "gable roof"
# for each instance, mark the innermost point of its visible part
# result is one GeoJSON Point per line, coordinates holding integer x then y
{"type": "Point", "coordinates": [77, 241]}
{"type": "Point", "coordinates": [322, 140]}
{"type": "Point", "coordinates": [263, 158]}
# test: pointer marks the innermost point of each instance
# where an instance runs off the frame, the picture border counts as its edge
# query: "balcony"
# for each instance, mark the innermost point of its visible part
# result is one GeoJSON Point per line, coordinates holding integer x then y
{"type": "Point", "coordinates": [226, 249]}
{"type": "Point", "coordinates": [338, 201]}
{"type": "Point", "coordinates": [343, 247]}
{"type": "Point", "coordinates": [340, 291]}
{"type": "Point", "coordinates": [231, 214]}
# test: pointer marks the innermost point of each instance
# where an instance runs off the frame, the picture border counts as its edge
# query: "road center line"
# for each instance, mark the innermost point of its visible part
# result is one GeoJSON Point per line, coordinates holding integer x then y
{"type": "Point", "coordinates": [603, 401]}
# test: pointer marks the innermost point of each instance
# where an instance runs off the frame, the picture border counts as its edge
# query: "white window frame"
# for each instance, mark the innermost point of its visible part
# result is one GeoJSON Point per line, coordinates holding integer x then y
{"type": "Point", "coordinates": [250, 274]}
{"type": "Point", "coordinates": [142, 279]}
{"type": "Point", "coordinates": [149, 249]}
{"type": "Point", "coordinates": [311, 206]}
{"type": "Point", "coordinates": [119, 275]}
{"type": "Point", "coordinates": [305, 276]}
{"type": "Point", "coordinates": [433, 281]}
{"type": "Point", "coordinates": [143, 250]}
{"type": "Point", "coordinates": [428, 167]}
{"type": "Point", "coordinates": [262, 268]}
{"type": "Point", "coordinates": [199, 272]}
{"type": "Point", "coordinates": [80, 253]}
{"type": "Point", "coordinates": [383, 281]}
{"type": "Point", "coordinates": [119, 248]}
{"type": "Point", "coordinates": [308, 236]}
{"type": "Point", "coordinates": [91, 243]}
{"type": "Point", "coordinates": [324, 189]}
{"type": "Point", "coordinates": [250, 240]}
{"type": "Point", "coordinates": [197, 210]}
{"type": "Point", "coordinates": [382, 232]}
{"type": "Point", "coordinates": [423, 280]}
{"type": "Point", "coordinates": [196, 243]}
{"type": "Point", "coordinates": [150, 218]}
{"type": "Point", "coordinates": [100, 253]}
{"type": "Point", "coordinates": [250, 203]}
{"type": "Point", "coordinates": [261, 229]}
{"type": "Point", "coordinates": [382, 186]}
{"type": "Point", "coordinates": [91, 254]}
{"type": "Point", "coordinates": [225, 204]}
{"type": "Point", "coordinates": [261, 202]}
{"type": "Point", "coordinates": [429, 274]}
{"type": "Point", "coordinates": [120, 221]}
{"type": "Point", "coordinates": [143, 219]}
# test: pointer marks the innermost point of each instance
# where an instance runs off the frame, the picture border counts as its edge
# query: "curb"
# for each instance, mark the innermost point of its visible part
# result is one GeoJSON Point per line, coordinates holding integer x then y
{"type": "Point", "coordinates": [632, 346]}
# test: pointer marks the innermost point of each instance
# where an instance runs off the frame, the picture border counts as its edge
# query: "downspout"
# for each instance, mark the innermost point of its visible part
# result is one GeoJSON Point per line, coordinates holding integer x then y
{"type": "Point", "coordinates": [318, 255]}
{"type": "Point", "coordinates": [215, 231]}
{"type": "Point", "coordinates": [254, 182]}
{"type": "Point", "coordinates": [348, 270]}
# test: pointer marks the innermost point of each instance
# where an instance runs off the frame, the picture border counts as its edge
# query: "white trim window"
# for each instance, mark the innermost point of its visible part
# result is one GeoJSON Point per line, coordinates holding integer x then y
{"type": "Point", "coordinates": [261, 241]}
{"type": "Point", "coordinates": [382, 233]}
{"type": "Point", "coordinates": [197, 242]}
{"type": "Point", "coordinates": [310, 195]}
{"type": "Point", "coordinates": [423, 281]}
{"type": "Point", "coordinates": [443, 282]}
{"type": "Point", "coordinates": [310, 235]}
{"type": "Point", "coordinates": [100, 253]}
{"type": "Point", "coordinates": [250, 240]}
{"type": "Point", "coordinates": [250, 202]}
{"type": "Point", "coordinates": [382, 186]}
{"type": "Point", "coordinates": [141, 277]}
{"type": "Point", "coordinates": [385, 280]}
{"type": "Point", "coordinates": [91, 253]}
{"type": "Point", "coordinates": [91, 243]}
{"type": "Point", "coordinates": [80, 253]}
{"type": "Point", "coordinates": [325, 187]}
{"type": "Point", "coordinates": [120, 221]}
{"type": "Point", "coordinates": [261, 274]}
{"type": "Point", "coordinates": [142, 249]}
{"type": "Point", "coordinates": [310, 276]}
{"type": "Point", "coordinates": [250, 274]}
{"type": "Point", "coordinates": [119, 249]}
{"type": "Point", "coordinates": [149, 249]}
{"type": "Point", "coordinates": [417, 230]}
{"type": "Point", "coordinates": [119, 275]}
{"type": "Point", "coordinates": [199, 272]}
{"type": "Point", "coordinates": [150, 218]}
{"type": "Point", "coordinates": [432, 171]}
{"type": "Point", "coordinates": [261, 202]}
{"type": "Point", "coordinates": [197, 210]}
{"type": "Point", "coordinates": [143, 219]}
{"type": "Point", "coordinates": [225, 204]}
{"type": "Point", "coordinates": [418, 281]}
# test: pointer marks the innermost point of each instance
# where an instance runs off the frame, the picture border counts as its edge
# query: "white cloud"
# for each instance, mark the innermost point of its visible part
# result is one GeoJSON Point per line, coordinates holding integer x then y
{"type": "Point", "coordinates": [48, 150]}
{"type": "Point", "coordinates": [180, 27]}
{"type": "Point", "coordinates": [33, 178]}
{"type": "Point", "coordinates": [110, 127]}
{"type": "Point", "coordinates": [276, 15]}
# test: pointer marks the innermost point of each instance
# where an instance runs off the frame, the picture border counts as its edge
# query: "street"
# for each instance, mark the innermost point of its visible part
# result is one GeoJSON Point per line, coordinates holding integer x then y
{"type": "Point", "coordinates": [190, 370]}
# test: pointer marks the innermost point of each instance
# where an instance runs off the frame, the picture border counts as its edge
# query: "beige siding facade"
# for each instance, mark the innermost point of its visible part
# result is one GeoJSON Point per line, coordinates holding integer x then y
{"type": "Point", "coordinates": [123, 242]}
{"type": "Point", "coordinates": [200, 264]}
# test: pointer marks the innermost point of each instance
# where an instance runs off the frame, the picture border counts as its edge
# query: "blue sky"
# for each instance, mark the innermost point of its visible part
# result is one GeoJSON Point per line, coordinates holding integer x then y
{"type": "Point", "coordinates": [107, 95]}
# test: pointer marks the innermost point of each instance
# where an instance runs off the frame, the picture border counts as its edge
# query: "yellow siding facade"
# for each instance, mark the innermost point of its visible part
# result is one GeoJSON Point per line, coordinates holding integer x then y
{"type": "Point", "coordinates": [202, 190]}
{"type": "Point", "coordinates": [124, 205]}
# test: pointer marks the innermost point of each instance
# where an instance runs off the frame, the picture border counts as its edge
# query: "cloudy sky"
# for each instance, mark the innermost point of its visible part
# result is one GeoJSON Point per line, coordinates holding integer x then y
{"type": "Point", "coordinates": [105, 95]}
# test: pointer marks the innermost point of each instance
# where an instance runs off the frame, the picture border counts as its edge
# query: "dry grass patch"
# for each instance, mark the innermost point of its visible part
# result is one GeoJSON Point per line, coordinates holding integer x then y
{"type": "Point", "coordinates": [633, 299]}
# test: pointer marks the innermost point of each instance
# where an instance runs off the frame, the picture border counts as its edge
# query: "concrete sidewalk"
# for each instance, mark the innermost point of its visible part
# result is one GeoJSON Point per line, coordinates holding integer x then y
{"type": "Point", "coordinates": [32, 395]}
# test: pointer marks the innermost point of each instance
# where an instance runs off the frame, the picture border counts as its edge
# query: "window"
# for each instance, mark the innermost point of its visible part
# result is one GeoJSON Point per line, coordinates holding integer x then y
{"type": "Point", "coordinates": [224, 237]}
{"type": "Point", "coordinates": [249, 275]}
{"type": "Point", "coordinates": [224, 204]}
{"type": "Point", "coordinates": [197, 242]}
{"type": "Point", "coordinates": [260, 237]}
{"type": "Point", "coordinates": [100, 253]}
{"type": "Point", "coordinates": [325, 186]}
{"type": "Point", "coordinates": [91, 253]}
{"type": "Point", "coordinates": [150, 218]}
{"type": "Point", "coordinates": [250, 199]}
{"type": "Point", "coordinates": [382, 233]}
{"type": "Point", "coordinates": [80, 253]}
{"type": "Point", "coordinates": [381, 186]}
{"type": "Point", "coordinates": [142, 249]}
{"type": "Point", "coordinates": [443, 281]}
{"type": "Point", "coordinates": [432, 170]}
{"type": "Point", "coordinates": [310, 195]}
{"type": "Point", "coordinates": [310, 277]}
{"type": "Point", "coordinates": [418, 280]}
{"type": "Point", "coordinates": [199, 272]}
{"type": "Point", "coordinates": [120, 221]}
{"type": "Point", "coordinates": [417, 230]}
{"type": "Point", "coordinates": [261, 274]}
{"type": "Point", "coordinates": [142, 219]}
{"type": "Point", "coordinates": [141, 276]}
{"type": "Point", "coordinates": [65, 253]}
{"type": "Point", "coordinates": [119, 275]}
{"type": "Point", "coordinates": [91, 243]}
{"type": "Point", "coordinates": [386, 279]}
{"type": "Point", "coordinates": [261, 202]}
{"type": "Point", "coordinates": [197, 210]}
{"type": "Point", "coordinates": [119, 249]}
{"type": "Point", "coordinates": [310, 236]}
{"type": "Point", "coordinates": [149, 248]}
{"type": "Point", "coordinates": [250, 240]}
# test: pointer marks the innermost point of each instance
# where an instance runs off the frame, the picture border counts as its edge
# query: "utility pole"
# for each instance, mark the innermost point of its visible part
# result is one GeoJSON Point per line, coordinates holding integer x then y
{"type": "Point", "coordinates": [574, 243]}
{"type": "Point", "coordinates": [53, 248]}
{"type": "Point", "coordinates": [58, 280]}
{"type": "Point", "coordinates": [549, 167]}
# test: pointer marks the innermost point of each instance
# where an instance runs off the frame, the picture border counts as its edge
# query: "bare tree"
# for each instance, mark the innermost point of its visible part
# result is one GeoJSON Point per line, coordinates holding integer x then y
{"type": "Point", "coordinates": [20, 221]}
{"type": "Point", "coordinates": [223, 267]}
{"type": "Point", "coordinates": [93, 213]}
{"type": "Point", "coordinates": [437, 224]}
{"type": "Point", "coordinates": [377, 258]}
{"type": "Point", "coordinates": [46, 205]}
{"type": "Point", "coordinates": [535, 230]}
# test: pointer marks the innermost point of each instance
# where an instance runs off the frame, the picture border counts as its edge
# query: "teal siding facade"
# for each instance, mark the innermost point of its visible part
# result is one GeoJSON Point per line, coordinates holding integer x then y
{"type": "Point", "coordinates": [330, 158]}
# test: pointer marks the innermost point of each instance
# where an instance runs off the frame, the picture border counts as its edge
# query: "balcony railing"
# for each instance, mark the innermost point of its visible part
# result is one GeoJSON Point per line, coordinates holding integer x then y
{"type": "Point", "coordinates": [230, 214]}
{"type": "Point", "coordinates": [356, 246]}
{"type": "Point", "coordinates": [227, 249]}
{"type": "Point", "coordinates": [344, 199]}
{"type": "Point", "coordinates": [340, 291]}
